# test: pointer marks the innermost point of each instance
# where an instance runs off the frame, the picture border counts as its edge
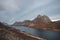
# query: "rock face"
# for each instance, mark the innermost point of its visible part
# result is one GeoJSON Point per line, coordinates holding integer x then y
{"type": "Point", "coordinates": [41, 22]}
{"type": "Point", "coordinates": [42, 19]}
{"type": "Point", "coordinates": [9, 33]}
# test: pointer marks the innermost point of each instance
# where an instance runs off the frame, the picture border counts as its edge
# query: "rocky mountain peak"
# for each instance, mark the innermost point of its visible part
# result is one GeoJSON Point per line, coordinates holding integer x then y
{"type": "Point", "coordinates": [42, 19]}
{"type": "Point", "coordinates": [38, 16]}
{"type": "Point", "coordinates": [46, 18]}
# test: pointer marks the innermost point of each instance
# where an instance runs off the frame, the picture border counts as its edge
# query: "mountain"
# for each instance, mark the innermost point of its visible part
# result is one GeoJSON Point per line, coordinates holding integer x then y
{"type": "Point", "coordinates": [25, 23]}
{"type": "Point", "coordinates": [40, 22]}
{"type": "Point", "coordinates": [17, 23]}
{"type": "Point", "coordinates": [43, 18]}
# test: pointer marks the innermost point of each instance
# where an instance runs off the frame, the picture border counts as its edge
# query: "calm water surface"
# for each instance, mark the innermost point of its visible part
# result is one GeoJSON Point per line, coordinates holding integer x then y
{"type": "Point", "coordinates": [48, 34]}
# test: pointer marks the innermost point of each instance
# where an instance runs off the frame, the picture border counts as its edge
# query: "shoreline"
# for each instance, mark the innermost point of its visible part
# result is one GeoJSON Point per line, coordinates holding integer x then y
{"type": "Point", "coordinates": [42, 28]}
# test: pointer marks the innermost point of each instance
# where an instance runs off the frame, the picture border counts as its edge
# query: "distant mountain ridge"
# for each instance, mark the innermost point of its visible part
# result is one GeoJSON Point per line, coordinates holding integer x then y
{"type": "Point", "coordinates": [40, 22]}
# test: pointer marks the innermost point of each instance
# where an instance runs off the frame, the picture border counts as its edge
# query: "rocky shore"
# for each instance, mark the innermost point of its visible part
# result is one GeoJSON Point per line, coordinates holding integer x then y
{"type": "Point", "coordinates": [9, 33]}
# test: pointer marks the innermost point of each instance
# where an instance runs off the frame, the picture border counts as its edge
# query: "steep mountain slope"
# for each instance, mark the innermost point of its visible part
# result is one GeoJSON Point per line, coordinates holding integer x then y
{"type": "Point", "coordinates": [42, 21]}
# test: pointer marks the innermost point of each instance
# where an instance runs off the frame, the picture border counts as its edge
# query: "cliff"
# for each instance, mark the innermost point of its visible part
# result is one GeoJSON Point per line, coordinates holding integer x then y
{"type": "Point", "coordinates": [9, 33]}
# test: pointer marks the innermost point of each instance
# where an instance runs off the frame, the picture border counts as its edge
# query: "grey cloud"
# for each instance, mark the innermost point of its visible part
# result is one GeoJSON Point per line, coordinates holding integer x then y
{"type": "Point", "coordinates": [13, 10]}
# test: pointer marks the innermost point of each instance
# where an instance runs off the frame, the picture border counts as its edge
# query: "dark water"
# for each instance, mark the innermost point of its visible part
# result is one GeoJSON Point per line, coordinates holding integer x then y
{"type": "Point", "coordinates": [47, 34]}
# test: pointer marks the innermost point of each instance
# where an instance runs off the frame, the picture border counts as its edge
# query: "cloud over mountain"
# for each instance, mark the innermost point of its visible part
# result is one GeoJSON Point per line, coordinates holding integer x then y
{"type": "Point", "coordinates": [13, 10]}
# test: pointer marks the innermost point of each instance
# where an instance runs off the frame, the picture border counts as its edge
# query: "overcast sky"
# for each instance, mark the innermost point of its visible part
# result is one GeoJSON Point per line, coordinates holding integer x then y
{"type": "Point", "coordinates": [19, 10]}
